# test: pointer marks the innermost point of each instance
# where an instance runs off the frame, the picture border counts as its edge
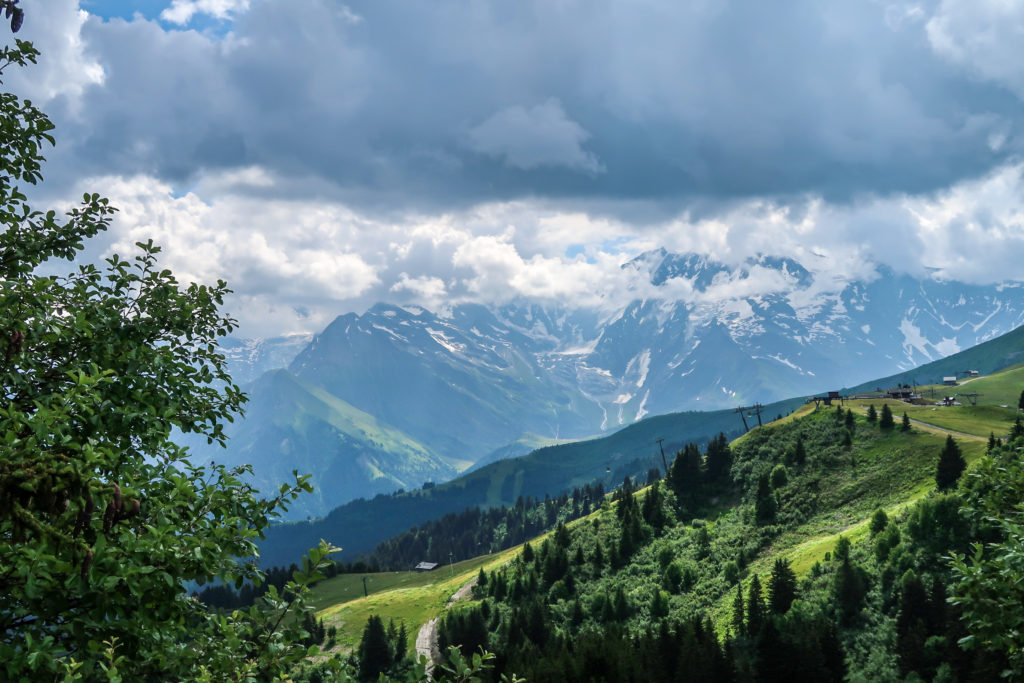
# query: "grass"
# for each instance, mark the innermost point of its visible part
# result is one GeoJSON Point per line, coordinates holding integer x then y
{"type": "Point", "coordinates": [978, 421]}
{"type": "Point", "coordinates": [410, 597]}
{"type": "Point", "coordinates": [892, 473]}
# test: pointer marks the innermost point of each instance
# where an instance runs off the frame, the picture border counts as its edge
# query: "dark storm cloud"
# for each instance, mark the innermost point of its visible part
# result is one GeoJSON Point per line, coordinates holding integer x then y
{"type": "Point", "coordinates": [431, 104]}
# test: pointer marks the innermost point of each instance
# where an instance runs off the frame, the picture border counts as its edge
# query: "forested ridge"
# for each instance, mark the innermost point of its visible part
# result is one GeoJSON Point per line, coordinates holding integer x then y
{"type": "Point", "coordinates": [677, 583]}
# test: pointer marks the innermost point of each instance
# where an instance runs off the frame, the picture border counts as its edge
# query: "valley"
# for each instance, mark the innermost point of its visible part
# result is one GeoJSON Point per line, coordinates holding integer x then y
{"type": "Point", "coordinates": [832, 497]}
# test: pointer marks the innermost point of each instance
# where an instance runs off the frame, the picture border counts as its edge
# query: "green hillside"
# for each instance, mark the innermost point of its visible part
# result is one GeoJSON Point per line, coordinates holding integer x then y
{"type": "Point", "coordinates": [677, 553]}
{"type": "Point", "coordinates": [292, 425]}
{"type": "Point", "coordinates": [359, 525]}
{"type": "Point", "coordinates": [681, 567]}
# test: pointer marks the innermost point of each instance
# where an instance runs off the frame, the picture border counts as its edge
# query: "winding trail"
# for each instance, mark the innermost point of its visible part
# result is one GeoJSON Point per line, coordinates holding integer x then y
{"type": "Point", "coordinates": [426, 639]}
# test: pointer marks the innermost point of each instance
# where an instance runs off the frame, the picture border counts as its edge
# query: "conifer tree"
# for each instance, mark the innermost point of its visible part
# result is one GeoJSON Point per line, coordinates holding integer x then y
{"type": "Point", "coordinates": [1020, 401]}
{"type": "Point", "coordinates": [765, 506]}
{"type": "Point", "coordinates": [799, 452]}
{"type": "Point", "coordinates": [879, 520]}
{"type": "Point", "coordinates": [373, 654]}
{"type": "Point", "coordinates": [652, 510]}
{"type": "Point", "coordinates": [739, 624]}
{"type": "Point", "coordinates": [885, 422]}
{"type": "Point", "coordinates": [781, 587]}
{"type": "Point", "coordinates": [718, 459]}
{"type": "Point", "coordinates": [597, 559]}
{"type": "Point", "coordinates": [1018, 429]}
{"type": "Point", "coordinates": [905, 426]}
{"type": "Point", "coordinates": [755, 607]}
{"type": "Point", "coordinates": [659, 607]}
{"type": "Point", "coordinates": [951, 465]}
{"type": "Point", "coordinates": [872, 414]}
{"type": "Point", "coordinates": [401, 643]}
{"type": "Point", "coordinates": [849, 420]}
{"type": "Point", "coordinates": [912, 626]}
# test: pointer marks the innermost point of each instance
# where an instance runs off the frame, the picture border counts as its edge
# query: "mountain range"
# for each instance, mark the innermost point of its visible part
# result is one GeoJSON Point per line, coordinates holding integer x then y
{"type": "Point", "coordinates": [400, 395]}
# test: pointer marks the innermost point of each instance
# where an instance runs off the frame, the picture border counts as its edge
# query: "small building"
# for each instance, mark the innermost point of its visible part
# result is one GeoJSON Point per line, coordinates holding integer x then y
{"type": "Point", "coordinates": [973, 373]}
{"type": "Point", "coordinates": [949, 381]}
{"type": "Point", "coordinates": [901, 393]}
{"type": "Point", "coordinates": [425, 567]}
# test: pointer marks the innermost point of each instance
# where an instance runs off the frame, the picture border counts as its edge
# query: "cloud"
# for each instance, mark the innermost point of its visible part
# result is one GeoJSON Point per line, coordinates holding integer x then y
{"type": "Point", "coordinates": [322, 156]}
{"type": "Point", "coordinates": [181, 11]}
{"type": "Point", "coordinates": [983, 36]}
{"type": "Point", "coordinates": [427, 106]}
{"type": "Point", "coordinates": [295, 264]}
{"type": "Point", "coordinates": [539, 136]}
{"type": "Point", "coordinates": [67, 66]}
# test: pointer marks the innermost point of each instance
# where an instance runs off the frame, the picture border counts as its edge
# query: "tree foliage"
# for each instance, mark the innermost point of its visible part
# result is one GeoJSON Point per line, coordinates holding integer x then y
{"type": "Point", "coordinates": [885, 420]}
{"type": "Point", "coordinates": [103, 519]}
{"type": "Point", "coordinates": [951, 465]}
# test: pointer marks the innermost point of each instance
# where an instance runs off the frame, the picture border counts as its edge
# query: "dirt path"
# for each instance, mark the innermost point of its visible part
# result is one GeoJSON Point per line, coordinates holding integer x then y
{"type": "Point", "coordinates": [426, 644]}
{"type": "Point", "coordinates": [426, 639]}
{"type": "Point", "coordinates": [934, 428]}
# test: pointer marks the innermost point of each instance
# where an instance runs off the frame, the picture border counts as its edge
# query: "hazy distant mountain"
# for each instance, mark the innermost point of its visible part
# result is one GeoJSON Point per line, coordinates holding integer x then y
{"type": "Point", "coordinates": [473, 380]}
{"type": "Point", "coordinates": [290, 425]}
{"type": "Point", "coordinates": [250, 358]}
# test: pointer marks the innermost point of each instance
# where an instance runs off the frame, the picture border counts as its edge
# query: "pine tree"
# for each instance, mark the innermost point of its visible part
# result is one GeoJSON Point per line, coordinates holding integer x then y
{"type": "Point", "coordinates": [905, 427]}
{"type": "Point", "coordinates": [755, 607]}
{"type": "Point", "coordinates": [872, 414]}
{"type": "Point", "coordinates": [684, 475]}
{"type": "Point", "coordinates": [373, 654]}
{"type": "Point", "coordinates": [951, 465]}
{"type": "Point", "coordinates": [739, 624]}
{"type": "Point", "coordinates": [1020, 402]}
{"type": "Point", "coordinates": [718, 459]}
{"type": "Point", "coordinates": [885, 422]}
{"type": "Point", "coordinates": [991, 442]}
{"type": "Point", "coordinates": [402, 643]}
{"type": "Point", "coordinates": [765, 506]}
{"type": "Point", "coordinates": [1018, 429]}
{"type": "Point", "coordinates": [652, 510]}
{"type": "Point", "coordinates": [659, 607]}
{"type": "Point", "coordinates": [799, 452]}
{"type": "Point", "coordinates": [781, 587]}
{"type": "Point", "coordinates": [879, 520]}
{"type": "Point", "coordinates": [911, 626]}
{"type": "Point", "coordinates": [597, 559]}
{"type": "Point", "coordinates": [849, 421]}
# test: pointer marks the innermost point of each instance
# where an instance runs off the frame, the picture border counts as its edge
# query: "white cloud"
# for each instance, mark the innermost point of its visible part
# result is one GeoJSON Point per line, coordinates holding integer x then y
{"type": "Point", "coordinates": [181, 11]}
{"type": "Point", "coordinates": [66, 67]}
{"type": "Point", "coordinates": [983, 36]}
{"type": "Point", "coordinates": [527, 138]}
{"type": "Point", "coordinates": [296, 264]}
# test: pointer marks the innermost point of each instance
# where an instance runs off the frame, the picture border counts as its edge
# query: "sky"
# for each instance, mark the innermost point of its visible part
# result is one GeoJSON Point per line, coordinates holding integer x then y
{"type": "Point", "coordinates": [321, 156]}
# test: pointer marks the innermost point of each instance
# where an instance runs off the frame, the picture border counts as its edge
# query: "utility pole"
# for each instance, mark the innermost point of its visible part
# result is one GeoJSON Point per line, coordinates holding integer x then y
{"type": "Point", "coordinates": [451, 565]}
{"type": "Point", "coordinates": [742, 412]}
{"type": "Point", "coordinates": [663, 460]}
{"type": "Point", "coordinates": [365, 594]}
{"type": "Point", "coordinates": [757, 411]}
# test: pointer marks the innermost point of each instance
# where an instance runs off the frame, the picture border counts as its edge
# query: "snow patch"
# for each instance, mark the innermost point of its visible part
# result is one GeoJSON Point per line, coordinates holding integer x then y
{"type": "Point", "coordinates": [442, 339]}
{"type": "Point", "coordinates": [641, 411]}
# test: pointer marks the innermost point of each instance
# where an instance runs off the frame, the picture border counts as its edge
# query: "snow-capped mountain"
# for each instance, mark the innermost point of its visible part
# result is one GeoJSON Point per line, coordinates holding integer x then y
{"type": "Point", "coordinates": [467, 381]}
{"type": "Point", "coordinates": [249, 358]}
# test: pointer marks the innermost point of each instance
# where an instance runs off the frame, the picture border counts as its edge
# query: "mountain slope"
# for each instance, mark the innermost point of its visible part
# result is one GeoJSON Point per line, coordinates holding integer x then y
{"type": "Point", "coordinates": [291, 425]}
{"type": "Point", "coordinates": [359, 525]}
{"type": "Point", "coordinates": [701, 335]}
{"type": "Point", "coordinates": [986, 358]}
